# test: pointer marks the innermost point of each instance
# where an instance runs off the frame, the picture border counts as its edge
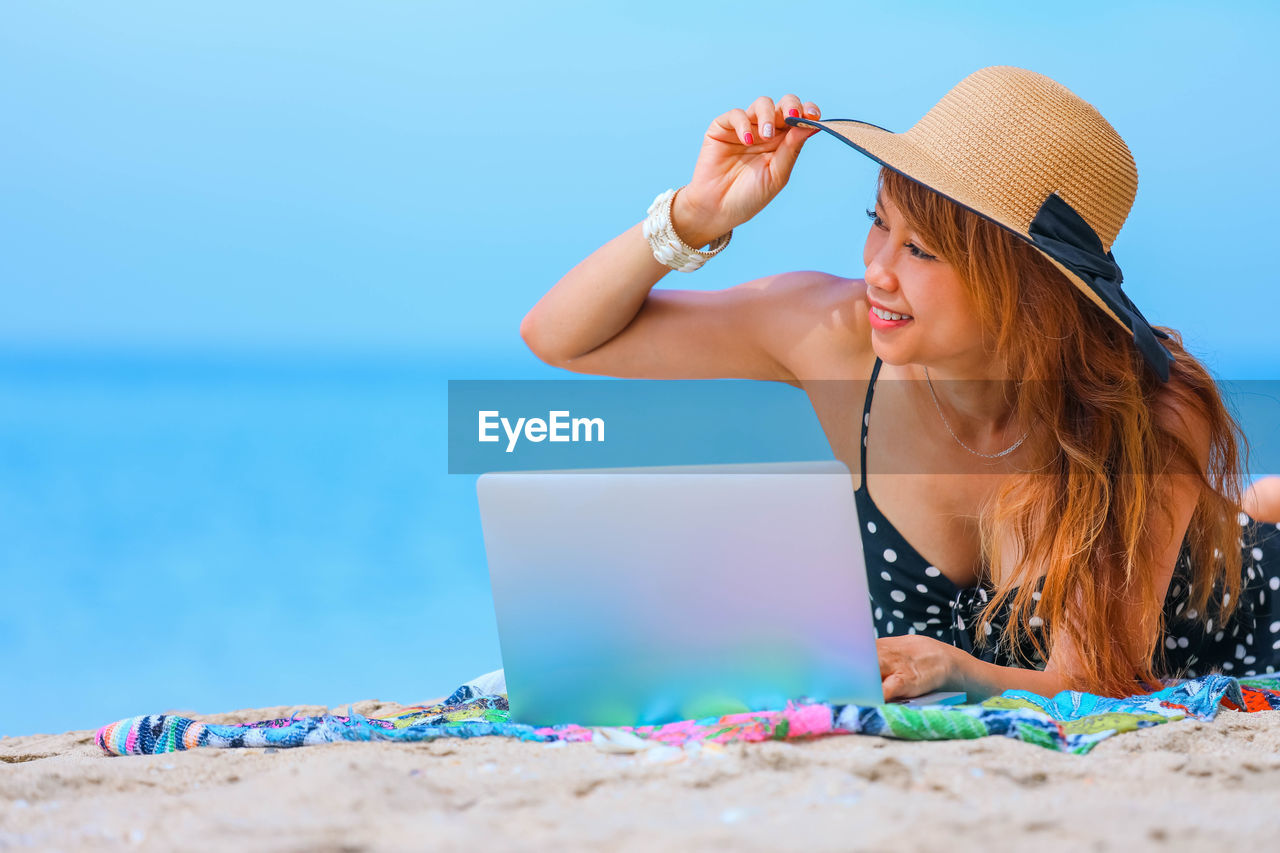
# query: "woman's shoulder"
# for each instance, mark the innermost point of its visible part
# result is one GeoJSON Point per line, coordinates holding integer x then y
{"type": "Point", "coordinates": [825, 320]}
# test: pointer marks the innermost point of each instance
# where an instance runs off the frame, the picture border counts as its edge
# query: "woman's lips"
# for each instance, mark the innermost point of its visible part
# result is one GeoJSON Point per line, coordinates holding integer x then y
{"type": "Point", "coordinates": [878, 322]}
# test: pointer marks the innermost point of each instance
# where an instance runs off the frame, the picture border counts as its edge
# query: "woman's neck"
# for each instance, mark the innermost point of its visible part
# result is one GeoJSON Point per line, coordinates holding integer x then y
{"type": "Point", "coordinates": [976, 401]}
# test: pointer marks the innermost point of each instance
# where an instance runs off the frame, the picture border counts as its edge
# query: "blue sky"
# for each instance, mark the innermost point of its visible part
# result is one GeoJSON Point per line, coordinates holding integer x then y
{"type": "Point", "coordinates": [411, 177]}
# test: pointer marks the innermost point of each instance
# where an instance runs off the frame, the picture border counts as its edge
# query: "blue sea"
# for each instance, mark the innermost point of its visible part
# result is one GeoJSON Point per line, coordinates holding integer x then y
{"type": "Point", "coordinates": [211, 533]}
{"type": "Point", "coordinates": [215, 532]}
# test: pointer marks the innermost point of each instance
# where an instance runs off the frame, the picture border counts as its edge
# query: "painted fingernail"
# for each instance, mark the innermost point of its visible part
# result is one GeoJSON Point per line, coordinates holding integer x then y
{"type": "Point", "coordinates": [766, 130]}
{"type": "Point", "coordinates": [793, 113]}
{"type": "Point", "coordinates": [751, 140]}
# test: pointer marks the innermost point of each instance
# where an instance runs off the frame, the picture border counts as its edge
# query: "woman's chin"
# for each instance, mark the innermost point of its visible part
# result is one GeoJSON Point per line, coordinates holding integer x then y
{"type": "Point", "coordinates": [888, 352]}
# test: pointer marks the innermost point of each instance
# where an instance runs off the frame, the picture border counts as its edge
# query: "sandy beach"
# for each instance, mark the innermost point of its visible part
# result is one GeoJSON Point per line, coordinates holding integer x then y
{"type": "Point", "coordinates": [1183, 785]}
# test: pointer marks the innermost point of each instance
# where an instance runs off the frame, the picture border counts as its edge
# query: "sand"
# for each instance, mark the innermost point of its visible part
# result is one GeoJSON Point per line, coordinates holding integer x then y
{"type": "Point", "coordinates": [1180, 786]}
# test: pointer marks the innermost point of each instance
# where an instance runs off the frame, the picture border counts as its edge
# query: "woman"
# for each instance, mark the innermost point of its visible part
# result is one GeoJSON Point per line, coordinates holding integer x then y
{"type": "Point", "coordinates": [1095, 539]}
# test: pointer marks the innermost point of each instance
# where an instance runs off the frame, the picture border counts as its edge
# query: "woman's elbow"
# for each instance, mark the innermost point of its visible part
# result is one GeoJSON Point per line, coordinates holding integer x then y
{"type": "Point", "coordinates": [534, 337]}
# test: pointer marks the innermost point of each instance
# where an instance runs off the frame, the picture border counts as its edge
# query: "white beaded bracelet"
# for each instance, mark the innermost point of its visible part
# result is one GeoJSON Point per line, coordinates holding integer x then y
{"type": "Point", "coordinates": [667, 246]}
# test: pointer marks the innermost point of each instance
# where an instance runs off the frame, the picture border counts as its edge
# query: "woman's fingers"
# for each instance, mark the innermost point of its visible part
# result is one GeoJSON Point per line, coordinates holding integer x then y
{"type": "Point", "coordinates": [899, 675]}
{"type": "Point", "coordinates": [902, 681]}
{"type": "Point", "coordinates": [887, 656]}
{"type": "Point", "coordinates": [895, 688]}
{"type": "Point", "coordinates": [762, 110]}
{"type": "Point", "coordinates": [915, 665]}
{"type": "Point", "coordinates": [789, 149]}
{"type": "Point", "coordinates": [789, 106]}
{"type": "Point", "coordinates": [765, 119]}
{"type": "Point", "coordinates": [740, 123]}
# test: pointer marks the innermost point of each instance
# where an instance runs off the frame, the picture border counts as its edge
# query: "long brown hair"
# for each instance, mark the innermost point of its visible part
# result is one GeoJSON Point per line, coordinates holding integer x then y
{"type": "Point", "coordinates": [1088, 517]}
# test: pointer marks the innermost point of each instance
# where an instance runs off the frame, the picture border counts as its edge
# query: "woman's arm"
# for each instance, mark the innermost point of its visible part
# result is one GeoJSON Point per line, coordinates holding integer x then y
{"type": "Point", "coordinates": [981, 679]}
{"type": "Point", "coordinates": [915, 664]}
{"type": "Point", "coordinates": [600, 296]}
{"type": "Point", "coordinates": [1262, 500]}
{"type": "Point", "coordinates": [601, 317]}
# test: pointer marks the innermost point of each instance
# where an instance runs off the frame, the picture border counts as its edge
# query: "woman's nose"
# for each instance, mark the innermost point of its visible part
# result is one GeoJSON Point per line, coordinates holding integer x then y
{"type": "Point", "coordinates": [879, 275]}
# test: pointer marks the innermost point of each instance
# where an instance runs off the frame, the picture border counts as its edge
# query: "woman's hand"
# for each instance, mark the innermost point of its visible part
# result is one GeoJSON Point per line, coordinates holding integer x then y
{"type": "Point", "coordinates": [914, 665]}
{"type": "Point", "coordinates": [745, 161]}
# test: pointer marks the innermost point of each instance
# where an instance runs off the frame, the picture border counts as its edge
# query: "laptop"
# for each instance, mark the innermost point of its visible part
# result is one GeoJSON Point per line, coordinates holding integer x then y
{"type": "Point", "coordinates": [642, 596]}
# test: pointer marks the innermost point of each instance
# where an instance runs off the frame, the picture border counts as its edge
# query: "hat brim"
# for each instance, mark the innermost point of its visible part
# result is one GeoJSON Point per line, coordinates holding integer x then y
{"type": "Point", "coordinates": [896, 152]}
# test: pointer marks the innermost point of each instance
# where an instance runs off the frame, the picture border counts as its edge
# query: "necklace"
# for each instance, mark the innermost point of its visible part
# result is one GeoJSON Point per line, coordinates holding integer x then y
{"type": "Point", "coordinates": [1004, 452]}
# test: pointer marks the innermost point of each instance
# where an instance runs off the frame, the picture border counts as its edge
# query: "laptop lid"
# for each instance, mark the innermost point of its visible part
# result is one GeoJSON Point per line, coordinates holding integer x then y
{"type": "Point", "coordinates": [640, 596]}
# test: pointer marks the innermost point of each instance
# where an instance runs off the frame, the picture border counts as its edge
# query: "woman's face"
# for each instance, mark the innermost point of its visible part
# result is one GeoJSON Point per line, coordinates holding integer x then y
{"type": "Point", "coordinates": [904, 277]}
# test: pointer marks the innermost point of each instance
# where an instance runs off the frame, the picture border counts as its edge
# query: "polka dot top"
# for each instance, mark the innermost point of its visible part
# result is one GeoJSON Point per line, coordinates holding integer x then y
{"type": "Point", "coordinates": [910, 596]}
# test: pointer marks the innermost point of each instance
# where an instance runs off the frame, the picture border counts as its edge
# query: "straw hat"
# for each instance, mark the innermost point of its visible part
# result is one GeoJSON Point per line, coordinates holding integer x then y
{"type": "Point", "coordinates": [1024, 152]}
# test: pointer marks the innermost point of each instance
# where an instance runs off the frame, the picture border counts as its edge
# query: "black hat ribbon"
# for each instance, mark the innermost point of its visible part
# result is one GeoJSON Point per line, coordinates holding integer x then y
{"type": "Point", "coordinates": [1062, 233]}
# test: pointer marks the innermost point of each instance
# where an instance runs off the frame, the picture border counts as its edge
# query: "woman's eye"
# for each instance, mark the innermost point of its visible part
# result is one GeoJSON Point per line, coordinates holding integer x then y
{"type": "Point", "coordinates": [915, 250]}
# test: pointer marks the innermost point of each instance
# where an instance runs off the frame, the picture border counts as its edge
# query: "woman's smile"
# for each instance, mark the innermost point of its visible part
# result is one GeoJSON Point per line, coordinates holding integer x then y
{"type": "Point", "coordinates": [882, 318]}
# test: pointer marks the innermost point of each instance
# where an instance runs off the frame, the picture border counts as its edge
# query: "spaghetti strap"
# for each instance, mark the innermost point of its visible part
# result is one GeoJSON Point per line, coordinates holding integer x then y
{"type": "Point", "coordinates": [866, 417]}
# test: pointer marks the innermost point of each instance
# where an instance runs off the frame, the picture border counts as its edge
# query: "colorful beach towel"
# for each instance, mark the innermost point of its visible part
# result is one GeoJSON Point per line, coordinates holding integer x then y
{"type": "Point", "coordinates": [1069, 722]}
